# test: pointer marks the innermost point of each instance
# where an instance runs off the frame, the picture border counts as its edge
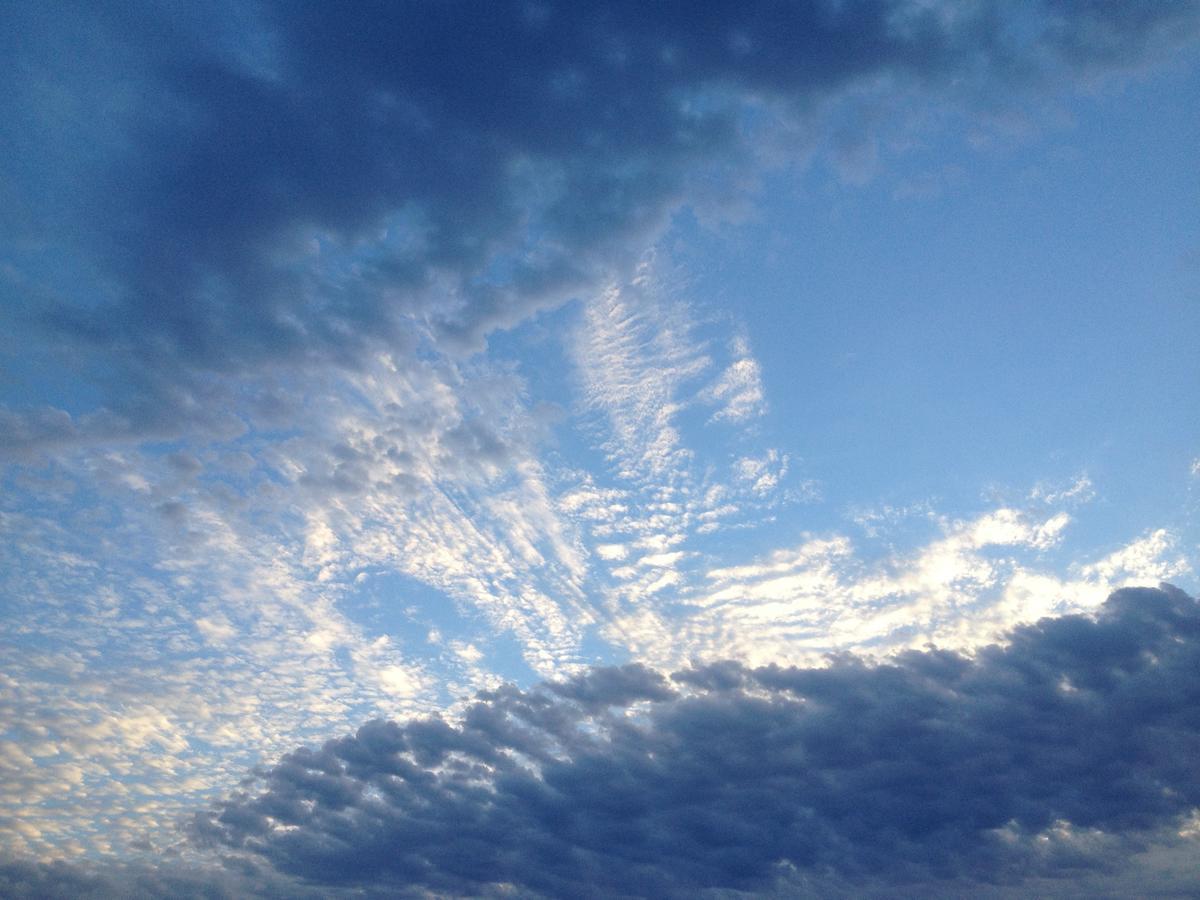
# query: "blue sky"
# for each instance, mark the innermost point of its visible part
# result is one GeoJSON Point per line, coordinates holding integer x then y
{"type": "Point", "coordinates": [507, 398]}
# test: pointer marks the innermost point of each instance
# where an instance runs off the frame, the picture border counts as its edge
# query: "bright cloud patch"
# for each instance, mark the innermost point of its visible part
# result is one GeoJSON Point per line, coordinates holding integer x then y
{"type": "Point", "coordinates": [738, 393]}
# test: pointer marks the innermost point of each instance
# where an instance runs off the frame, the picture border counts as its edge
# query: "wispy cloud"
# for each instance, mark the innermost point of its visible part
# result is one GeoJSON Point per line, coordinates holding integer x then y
{"type": "Point", "coordinates": [965, 588]}
{"type": "Point", "coordinates": [738, 394]}
{"type": "Point", "coordinates": [636, 355]}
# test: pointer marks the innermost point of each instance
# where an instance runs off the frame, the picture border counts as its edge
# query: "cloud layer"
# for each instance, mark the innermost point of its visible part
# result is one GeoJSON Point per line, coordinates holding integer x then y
{"type": "Point", "coordinates": [257, 481]}
{"type": "Point", "coordinates": [1064, 749]}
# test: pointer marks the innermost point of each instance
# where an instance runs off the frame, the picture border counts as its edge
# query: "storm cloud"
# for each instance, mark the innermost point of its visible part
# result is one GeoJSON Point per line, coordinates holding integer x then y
{"type": "Point", "coordinates": [269, 184]}
{"type": "Point", "coordinates": [1060, 751]}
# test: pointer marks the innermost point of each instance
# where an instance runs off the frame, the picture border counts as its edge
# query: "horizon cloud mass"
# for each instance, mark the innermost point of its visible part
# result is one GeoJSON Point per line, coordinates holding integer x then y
{"type": "Point", "coordinates": [1064, 751]}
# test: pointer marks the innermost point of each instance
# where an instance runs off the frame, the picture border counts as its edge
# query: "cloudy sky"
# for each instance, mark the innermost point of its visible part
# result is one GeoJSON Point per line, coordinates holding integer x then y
{"type": "Point", "coordinates": [615, 449]}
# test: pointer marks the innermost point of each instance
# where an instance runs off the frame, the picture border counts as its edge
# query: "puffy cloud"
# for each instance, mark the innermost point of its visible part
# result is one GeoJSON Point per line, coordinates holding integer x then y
{"type": "Point", "coordinates": [1058, 753]}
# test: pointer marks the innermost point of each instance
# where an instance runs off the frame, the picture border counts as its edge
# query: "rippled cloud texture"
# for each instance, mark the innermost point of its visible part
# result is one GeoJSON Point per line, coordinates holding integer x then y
{"type": "Point", "coordinates": [1063, 753]}
{"type": "Point", "coordinates": [1068, 747]}
{"type": "Point", "coordinates": [551, 388]}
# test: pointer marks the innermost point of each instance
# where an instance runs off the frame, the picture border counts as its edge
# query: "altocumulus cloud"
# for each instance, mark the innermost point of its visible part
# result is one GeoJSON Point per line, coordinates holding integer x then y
{"type": "Point", "coordinates": [1062, 751]}
{"type": "Point", "coordinates": [213, 212]}
{"type": "Point", "coordinates": [259, 184]}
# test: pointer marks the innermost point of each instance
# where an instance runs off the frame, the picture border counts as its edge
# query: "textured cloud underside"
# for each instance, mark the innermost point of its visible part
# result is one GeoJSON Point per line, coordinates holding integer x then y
{"type": "Point", "coordinates": [1064, 747]}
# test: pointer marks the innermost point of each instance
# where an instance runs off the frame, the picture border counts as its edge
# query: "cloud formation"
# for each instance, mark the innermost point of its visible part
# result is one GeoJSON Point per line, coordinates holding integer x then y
{"type": "Point", "coordinates": [282, 183]}
{"type": "Point", "coordinates": [1063, 750]}
{"type": "Point", "coordinates": [264, 487]}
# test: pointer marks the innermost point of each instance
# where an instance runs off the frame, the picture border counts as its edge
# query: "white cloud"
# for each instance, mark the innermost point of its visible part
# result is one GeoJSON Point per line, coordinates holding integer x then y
{"type": "Point", "coordinates": [964, 588]}
{"type": "Point", "coordinates": [738, 393]}
{"type": "Point", "coordinates": [634, 355]}
{"type": "Point", "coordinates": [1147, 560]}
{"type": "Point", "coordinates": [761, 474]}
{"type": "Point", "coordinates": [1080, 490]}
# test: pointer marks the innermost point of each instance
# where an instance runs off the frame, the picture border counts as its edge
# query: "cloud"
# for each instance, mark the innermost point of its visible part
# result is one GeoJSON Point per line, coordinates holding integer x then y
{"type": "Point", "coordinates": [635, 355]}
{"type": "Point", "coordinates": [966, 587]}
{"type": "Point", "coordinates": [283, 185]}
{"type": "Point", "coordinates": [297, 572]}
{"type": "Point", "coordinates": [739, 391]}
{"type": "Point", "coordinates": [197, 608]}
{"type": "Point", "coordinates": [761, 474]}
{"type": "Point", "coordinates": [91, 881]}
{"type": "Point", "coordinates": [1058, 753]}
{"type": "Point", "coordinates": [278, 231]}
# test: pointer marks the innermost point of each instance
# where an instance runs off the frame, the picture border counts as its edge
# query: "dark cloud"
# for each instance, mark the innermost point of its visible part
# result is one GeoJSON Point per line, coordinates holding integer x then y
{"type": "Point", "coordinates": [216, 190]}
{"type": "Point", "coordinates": [1054, 756]}
{"type": "Point", "coordinates": [22, 880]}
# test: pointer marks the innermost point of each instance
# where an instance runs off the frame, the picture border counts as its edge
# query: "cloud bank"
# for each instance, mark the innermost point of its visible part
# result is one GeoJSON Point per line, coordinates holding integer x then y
{"type": "Point", "coordinates": [1066, 749]}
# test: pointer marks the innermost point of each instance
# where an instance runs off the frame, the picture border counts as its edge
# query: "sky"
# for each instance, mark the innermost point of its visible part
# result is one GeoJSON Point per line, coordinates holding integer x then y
{"type": "Point", "coordinates": [549, 449]}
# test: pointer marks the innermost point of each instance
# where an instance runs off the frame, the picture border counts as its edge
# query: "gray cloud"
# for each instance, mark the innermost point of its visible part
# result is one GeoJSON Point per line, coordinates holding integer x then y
{"type": "Point", "coordinates": [23, 880]}
{"type": "Point", "coordinates": [1058, 754]}
{"type": "Point", "coordinates": [294, 183]}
